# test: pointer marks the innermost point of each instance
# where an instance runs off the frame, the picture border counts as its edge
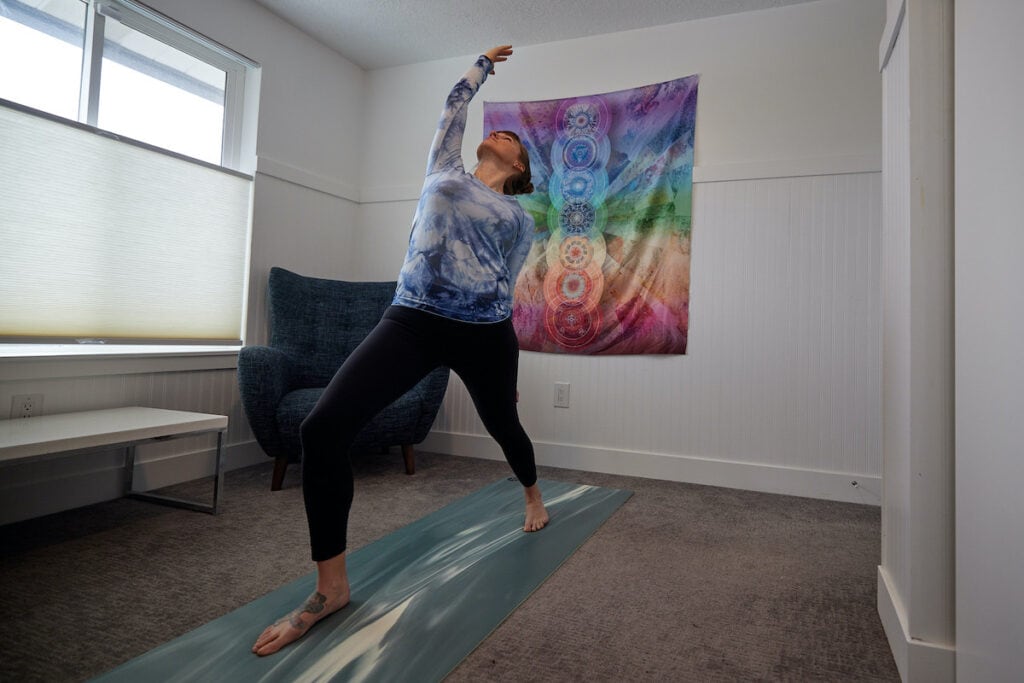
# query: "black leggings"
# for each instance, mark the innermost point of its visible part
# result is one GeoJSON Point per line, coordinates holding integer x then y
{"type": "Point", "coordinates": [404, 347]}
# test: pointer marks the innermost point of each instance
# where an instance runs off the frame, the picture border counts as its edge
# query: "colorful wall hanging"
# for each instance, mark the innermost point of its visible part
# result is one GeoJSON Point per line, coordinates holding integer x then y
{"type": "Point", "coordinates": [609, 270]}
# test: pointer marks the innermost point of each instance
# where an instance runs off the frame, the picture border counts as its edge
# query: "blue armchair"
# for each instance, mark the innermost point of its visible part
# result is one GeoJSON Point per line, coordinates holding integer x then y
{"type": "Point", "coordinates": [314, 325]}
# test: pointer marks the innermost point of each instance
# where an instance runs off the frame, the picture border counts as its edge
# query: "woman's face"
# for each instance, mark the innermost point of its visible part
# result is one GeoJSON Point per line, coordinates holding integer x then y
{"type": "Point", "coordinates": [504, 146]}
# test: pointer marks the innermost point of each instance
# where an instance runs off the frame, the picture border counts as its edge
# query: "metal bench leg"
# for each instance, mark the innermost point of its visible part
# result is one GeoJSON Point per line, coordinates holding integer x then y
{"type": "Point", "coordinates": [129, 468]}
{"type": "Point", "coordinates": [218, 479]}
{"type": "Point", "coordinates": [218, 476]}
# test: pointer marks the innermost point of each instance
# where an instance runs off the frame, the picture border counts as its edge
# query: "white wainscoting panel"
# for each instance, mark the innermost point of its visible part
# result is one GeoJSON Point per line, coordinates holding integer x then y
{"type": "Point", "coordinates": [782, 378]}
{"type": "Point", "coordinates": [896, 317]}
{"type": "Point", "coordinates": [780, 390]}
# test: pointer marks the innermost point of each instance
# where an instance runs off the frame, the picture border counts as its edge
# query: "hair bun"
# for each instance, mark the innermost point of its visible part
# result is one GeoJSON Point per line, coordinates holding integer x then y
{"type": "Point", "coordinates": [528, 189]}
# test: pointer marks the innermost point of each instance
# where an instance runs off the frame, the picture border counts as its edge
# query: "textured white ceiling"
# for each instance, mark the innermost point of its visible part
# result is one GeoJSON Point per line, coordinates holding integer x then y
{"type": "Point", "coordinates": [381, 33]}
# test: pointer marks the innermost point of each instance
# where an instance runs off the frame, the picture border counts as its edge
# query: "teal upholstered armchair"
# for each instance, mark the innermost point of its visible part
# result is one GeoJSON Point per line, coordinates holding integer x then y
{"type": "Point", "coordinates": [314, 325]}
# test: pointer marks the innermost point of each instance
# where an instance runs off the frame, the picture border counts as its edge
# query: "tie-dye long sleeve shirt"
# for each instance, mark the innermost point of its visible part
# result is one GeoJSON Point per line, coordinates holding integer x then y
{"type": "Point", "coordinates": [468, 242]}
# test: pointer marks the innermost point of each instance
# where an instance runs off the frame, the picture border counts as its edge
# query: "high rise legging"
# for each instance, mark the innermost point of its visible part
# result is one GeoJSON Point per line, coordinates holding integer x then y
{"type": "Point", "coordinates": [404, 347]}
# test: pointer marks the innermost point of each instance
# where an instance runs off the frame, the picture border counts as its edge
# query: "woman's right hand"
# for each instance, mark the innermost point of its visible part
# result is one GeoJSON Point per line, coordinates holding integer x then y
{"type": "Point", "coordinates": [498, 54]}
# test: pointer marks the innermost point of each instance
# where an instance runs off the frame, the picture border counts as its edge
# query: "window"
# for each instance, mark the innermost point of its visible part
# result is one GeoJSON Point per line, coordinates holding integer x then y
{"type": "Point", "coordinates": [153, 92]}
{"type": "Point", "coordinates": [46, 46]}
{"type": "Point", "coordinates": [126, 211]}
{"type": "Point", "coordinates": [123, 68]}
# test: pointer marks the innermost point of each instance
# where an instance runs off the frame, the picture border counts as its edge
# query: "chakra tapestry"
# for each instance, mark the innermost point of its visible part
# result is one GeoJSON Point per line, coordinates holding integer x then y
{"type": "Point", "coordinates": [609, 269]}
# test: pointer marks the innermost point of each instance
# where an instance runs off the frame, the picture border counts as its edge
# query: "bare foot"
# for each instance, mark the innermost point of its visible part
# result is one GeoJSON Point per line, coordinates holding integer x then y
{"type": "Point", "coordinates": [295, 625]}
{"type": "Point", "coordinates": [332, 593]}
{"type": "Point", "coordinates": [536, 514]}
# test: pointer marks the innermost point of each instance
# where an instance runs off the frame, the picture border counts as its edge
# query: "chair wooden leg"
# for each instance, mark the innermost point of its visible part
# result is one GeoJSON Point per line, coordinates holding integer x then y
{"type": "Point", "coordinates": [280, 467]}
{"type": "Point", "coordinates": [410, 458]}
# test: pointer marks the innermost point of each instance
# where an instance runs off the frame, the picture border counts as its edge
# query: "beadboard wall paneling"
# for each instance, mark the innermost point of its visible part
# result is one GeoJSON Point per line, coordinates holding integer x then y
{"type": "Point", "coordinates": [896, 314]}
{"type": "Point", "coordinates": [208, 391]}
{"type": "Point", "coordinates": [41, 487]}
{"type": "Point", "coordinates": [783, 370]}
{"type": "Point", "coordinates": [780, 389]}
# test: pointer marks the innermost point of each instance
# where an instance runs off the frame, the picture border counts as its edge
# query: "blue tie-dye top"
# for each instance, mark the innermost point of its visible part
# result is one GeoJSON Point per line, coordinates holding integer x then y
{"type": "Point", "coordinates": [468, 242]}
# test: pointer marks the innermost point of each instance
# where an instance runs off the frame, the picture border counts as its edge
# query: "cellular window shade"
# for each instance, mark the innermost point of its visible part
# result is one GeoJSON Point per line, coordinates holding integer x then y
{"type": "Point", "coordinates": [107, 240]}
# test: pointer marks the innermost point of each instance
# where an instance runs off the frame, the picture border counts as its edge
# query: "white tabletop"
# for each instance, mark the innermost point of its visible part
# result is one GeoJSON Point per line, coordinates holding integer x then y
{"type": "Point", "coordinates": [29, 437]}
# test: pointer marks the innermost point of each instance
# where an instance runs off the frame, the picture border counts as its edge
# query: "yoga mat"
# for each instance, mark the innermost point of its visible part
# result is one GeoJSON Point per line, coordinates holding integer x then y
{"type": "Point", "coordinates": [423, 597]}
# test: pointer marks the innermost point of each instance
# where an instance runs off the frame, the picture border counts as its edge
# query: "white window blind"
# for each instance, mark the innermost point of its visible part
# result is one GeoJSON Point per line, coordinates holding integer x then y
{"type": "Point", "coordinates": [105, 240]}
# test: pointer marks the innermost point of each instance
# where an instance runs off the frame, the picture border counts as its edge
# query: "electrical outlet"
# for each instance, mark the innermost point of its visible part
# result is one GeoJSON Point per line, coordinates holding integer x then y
{"type": "Point", "coordinates": [561, 394]}
{"type": "Point", "coordinates": [26, 405]}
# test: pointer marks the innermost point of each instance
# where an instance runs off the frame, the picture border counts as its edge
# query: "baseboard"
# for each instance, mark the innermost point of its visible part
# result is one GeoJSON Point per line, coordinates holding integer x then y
{"type": "Point", "coordinates": [917, 661]}
{"type": "Point", "coordinates": [851, 488]}
{"type": "Point", "coordinates": [104, 480]}
{"type": "Point", "coordinates": [56, 491]}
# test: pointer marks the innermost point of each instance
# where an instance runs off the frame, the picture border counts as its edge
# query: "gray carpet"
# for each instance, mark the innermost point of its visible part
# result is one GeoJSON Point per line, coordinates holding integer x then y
{"type": "Point", "coordinates": [683, 583]}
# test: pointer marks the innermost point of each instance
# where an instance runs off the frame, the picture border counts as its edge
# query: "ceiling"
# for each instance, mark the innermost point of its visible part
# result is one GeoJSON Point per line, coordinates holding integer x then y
{"type": "Point", "coordinates": [375, 34]}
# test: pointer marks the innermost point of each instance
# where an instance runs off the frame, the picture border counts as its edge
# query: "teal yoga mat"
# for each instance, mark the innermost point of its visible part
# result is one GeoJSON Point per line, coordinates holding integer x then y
{"type": "Point", "coordinates": [423, 597]}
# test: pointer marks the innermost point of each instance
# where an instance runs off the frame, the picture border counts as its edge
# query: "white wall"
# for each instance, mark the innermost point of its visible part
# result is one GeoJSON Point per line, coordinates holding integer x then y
{"type": "Point", "coordinates": [794, 84]}
{"type": "Point", "coordinates": [304, 218]}
{"type": "Point", "coordinates": [915, 576]}
{"type": "Point", "coordinates": [989, 328]}
{"type": "Point", "coordinates": [780, 389]}
{"type": "Point", "coordinates": [308, 143]}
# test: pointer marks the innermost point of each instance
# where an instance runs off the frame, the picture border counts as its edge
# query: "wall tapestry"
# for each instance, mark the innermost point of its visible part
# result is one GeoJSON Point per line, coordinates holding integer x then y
{"type": "Point", "coordinates": [609, 270]}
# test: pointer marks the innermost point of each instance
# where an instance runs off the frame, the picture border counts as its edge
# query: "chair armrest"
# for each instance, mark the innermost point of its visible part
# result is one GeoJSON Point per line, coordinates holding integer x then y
{"type": "Point", "coordinates": [265, 375]}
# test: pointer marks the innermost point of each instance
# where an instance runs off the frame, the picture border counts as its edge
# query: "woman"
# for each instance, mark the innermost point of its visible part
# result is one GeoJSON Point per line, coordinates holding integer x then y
{"type": "Point", "coordinates": [452, 307]}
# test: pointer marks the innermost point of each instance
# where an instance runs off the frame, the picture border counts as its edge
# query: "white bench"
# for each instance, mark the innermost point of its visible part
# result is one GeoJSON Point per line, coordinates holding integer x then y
{"type": "Point", "coordinates": [72, 433]}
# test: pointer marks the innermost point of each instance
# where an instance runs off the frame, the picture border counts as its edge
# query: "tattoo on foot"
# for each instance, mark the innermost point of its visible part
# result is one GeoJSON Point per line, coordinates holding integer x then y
{"type": "Point", "coordinates": [314, 605]}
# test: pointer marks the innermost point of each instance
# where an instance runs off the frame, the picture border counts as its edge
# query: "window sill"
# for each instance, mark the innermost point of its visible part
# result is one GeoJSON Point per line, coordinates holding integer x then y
{"type": "Point", "coordinates": [42, 361]}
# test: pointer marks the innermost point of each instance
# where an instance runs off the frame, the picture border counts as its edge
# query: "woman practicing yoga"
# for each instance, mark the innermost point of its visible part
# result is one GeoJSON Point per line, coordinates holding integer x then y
{"type": "Point", "coordinates": [452, 307]}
